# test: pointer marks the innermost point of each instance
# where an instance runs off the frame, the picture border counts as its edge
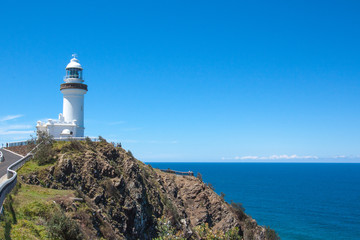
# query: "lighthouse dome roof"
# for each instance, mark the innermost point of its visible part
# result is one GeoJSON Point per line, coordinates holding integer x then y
{"type": "Point", "coordinates": [74, 63]}
{"type": "Point", "coordinates": [66, 132]}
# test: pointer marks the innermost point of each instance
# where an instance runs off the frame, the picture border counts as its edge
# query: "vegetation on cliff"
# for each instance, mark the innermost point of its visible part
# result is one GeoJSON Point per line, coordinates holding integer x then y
{"type": "Point", "coordinates": [92, 190]}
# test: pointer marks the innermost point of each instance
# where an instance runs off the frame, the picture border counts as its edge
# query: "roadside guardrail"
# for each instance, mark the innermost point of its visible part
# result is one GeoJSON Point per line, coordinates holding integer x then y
{"type": "Point", "coordinates": [10, 182]}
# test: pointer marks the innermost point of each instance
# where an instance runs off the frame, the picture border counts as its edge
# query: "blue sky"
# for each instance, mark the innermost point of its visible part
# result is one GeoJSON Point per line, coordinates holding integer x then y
{"type": "Point", "coordinates": [191, 80]}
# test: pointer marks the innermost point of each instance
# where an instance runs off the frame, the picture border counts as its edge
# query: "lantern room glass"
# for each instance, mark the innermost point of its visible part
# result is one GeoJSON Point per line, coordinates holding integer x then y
{"type": "Point", "coordinates": [74, 73]}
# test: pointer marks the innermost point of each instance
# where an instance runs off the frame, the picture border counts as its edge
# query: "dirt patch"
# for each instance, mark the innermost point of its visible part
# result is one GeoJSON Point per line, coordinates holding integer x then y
{"type": "Point", "coordinates": [22, 150]}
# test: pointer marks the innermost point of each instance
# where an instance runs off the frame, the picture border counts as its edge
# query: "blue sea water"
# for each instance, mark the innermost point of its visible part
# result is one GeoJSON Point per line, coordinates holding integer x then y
{"type": "Point", "coordinates": [297, 200]}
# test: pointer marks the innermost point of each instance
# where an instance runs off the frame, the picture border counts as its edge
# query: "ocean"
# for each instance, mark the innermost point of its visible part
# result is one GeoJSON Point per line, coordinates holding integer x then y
{"type": "Point", "coordinates": [297, 200]}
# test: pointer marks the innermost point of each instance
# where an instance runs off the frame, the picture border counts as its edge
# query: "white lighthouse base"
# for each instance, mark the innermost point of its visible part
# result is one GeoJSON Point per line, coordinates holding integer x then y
{"type": "Point", "coordinates": [60, 129]}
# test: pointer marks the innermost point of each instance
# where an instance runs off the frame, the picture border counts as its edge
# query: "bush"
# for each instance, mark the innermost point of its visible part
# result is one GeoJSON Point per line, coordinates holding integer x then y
{"type": "Point", "coordinates": [166, 231]}
{"type": "Point", "coordinates": [271, 234]}
{"type": "Point", "coordinates": [130, 154]}
{"type": "Point", "coordinates": [204, 232]}
{"type": "Point", "coordinates": [35, 209]}
{"type": "Point", "coordinates": [89, 142]}
{"type": "Point", "coordinates": [199, 176]}
{"type": "Point", "coordinates": [61, 227]}
{"type": "Point", "coordinates": [239, 210]}
{"type": "Point", "coordinates": [72, 145]}
{"type": "Point", "coordinates": [31, 143]}
{"type": "Point", "coordinates": [210, 186]}
{"type": "Point", "coordinates": [102, 140]}
{"type": "Point", "coordinates": [45, 153]}
{"type": "Point", "coordinates": [44, 137]}
{"type": "Point", "coordinates": [222, 195]}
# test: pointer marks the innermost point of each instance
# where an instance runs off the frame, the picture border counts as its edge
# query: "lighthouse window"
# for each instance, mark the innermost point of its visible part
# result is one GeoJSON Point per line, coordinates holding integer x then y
{"type": "Point", "coordinates": [74, 73]}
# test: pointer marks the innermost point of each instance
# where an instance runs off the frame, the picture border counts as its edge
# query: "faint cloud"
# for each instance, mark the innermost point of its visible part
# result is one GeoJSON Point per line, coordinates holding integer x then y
{"type": "Point", "coordinates": [10, 117]}
{"type": "Point", "coordinates": [159, 157]}
{"type": "Point", "coordinates": [129, 141]}
{"type": "Point", "coordinates": [162, 142]}
{"type": "Point", "coordinates": [340, 156]}
{"type": "Point", "coordinates": [15, 126]}
{"type": "Point", "coordinates": [116, 123]}
{"type": "Point", "coordinates": [130, 129]}
{"type": "Point", "coordinates": [14, 132]}
{"type": "Point", "coordinates": [272, 157]}
{"type": "Point", "coordinates": [142, 141]}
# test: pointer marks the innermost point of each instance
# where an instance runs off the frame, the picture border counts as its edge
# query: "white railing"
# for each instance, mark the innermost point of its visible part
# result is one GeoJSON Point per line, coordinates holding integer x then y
{"type": "Point", "coordinates": [10, 182]}
{"type": "Point", "coordinates": [94, 139]}
{"type": "Point", "coordinates": [14, 144]}
{"type": "Point", "coordinates": [22, 143]}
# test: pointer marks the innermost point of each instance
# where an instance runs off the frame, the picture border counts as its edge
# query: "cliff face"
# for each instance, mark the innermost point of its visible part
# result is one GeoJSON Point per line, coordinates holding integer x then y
{"type": "Point", "coordinates": [120, 197]}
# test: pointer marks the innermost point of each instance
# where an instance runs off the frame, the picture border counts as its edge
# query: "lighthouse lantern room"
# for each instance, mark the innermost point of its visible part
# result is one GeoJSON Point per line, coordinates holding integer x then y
{"type": "Point", "coordinates": [71, 121]}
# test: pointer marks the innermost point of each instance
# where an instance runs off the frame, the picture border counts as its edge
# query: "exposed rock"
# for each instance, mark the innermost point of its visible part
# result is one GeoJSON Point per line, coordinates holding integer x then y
{"type": "Point", "coordinates": [126, 197]}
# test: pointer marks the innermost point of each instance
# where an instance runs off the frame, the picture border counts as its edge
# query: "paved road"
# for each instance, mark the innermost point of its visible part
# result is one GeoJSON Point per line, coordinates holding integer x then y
{"type": "Point", "coordinates": [9, 159]}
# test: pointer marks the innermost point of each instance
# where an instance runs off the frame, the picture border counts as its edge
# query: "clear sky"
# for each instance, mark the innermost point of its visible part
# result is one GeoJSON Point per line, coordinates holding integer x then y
{"type": "Point", "coordinates": [191, 80]}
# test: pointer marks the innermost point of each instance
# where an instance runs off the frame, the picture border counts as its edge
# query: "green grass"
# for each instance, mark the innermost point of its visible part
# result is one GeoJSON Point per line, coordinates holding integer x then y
{"type": "Point", "coordinates": [32, 166]}
{"type": "Point", "coordinates": [25, 211]}
{"type": "Point", "coordinates": [33, 193]}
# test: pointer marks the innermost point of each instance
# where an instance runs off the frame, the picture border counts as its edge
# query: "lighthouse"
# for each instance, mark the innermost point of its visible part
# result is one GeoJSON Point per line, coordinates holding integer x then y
{"type": "Point", "coordinates": [73, 91]}
{"type": "Point", "coordinates": [71, 121]}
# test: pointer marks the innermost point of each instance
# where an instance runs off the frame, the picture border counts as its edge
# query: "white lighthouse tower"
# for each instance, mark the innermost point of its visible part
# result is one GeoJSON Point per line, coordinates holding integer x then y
{"type": "Point", "coordinates": [71, 121]}
{"type": "Point", "coordinates": [74, 90]}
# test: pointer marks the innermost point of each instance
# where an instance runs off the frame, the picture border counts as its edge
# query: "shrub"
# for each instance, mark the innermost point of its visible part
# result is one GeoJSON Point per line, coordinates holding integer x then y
{"type": "Point", "coordinates": [233, 234]}
{"type": "Point", "coordinates": [204, 232]}
{"type": "Point", "coordinates": [89, 142]}
{"type": "Point", "coordinates": [31, 143]}
{"type": "Point", "coordinates": [271, 234]}
{"type": "Point", "coordinates": [222, 195]}
{"type": "Point", "coordinates": [102, 140]}
{"type": "Point", "coordinates": [35, 209]}
{"type": "Point", "coordinates": [172, 210]}
{"type": "Point", "coordinates": [130, 154]}
{"type": "Point", "coordinates": [72, 145]}
{"type": "Point", "coordinates": [166, 231]}
{"type": "Point", "coordinates": [210, 186]}
{"type": "Point", "coordinates": [61, 227]}
{"type": "Point", "coordinates": [45, 153]}
{"type": "Point", "coordinates": [199, 176]}
{"type": "Point", "coordinates": [239, 210]}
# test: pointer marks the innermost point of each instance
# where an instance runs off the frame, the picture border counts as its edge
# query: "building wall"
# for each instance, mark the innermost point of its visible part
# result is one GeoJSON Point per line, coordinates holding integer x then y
{"type": "Point", "coordinates": [73, 106]}
{"type": "Point", "coordinates": [55, 128]}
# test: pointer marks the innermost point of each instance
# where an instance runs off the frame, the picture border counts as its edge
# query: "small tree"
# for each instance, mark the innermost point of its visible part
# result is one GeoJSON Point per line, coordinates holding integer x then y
{"type": "Point", "coordinates": [130, 154]}
{"type": "Point", "coordinates": [210, 186]}
{"type": "Point", "coordinates": [45, 152]}
{"type": "Point", "coordinates": [31, 143]}
{"type": "Point", "coordinates": [199, 176]}
{"type": "Point", "coordinates": [239, 210]}
{"type": "Point", "coordinates": [222, 195]}
{"type": "Point", "coordinates": [271, 234]}
{"type": "Point", "coordinates": [102, 140]}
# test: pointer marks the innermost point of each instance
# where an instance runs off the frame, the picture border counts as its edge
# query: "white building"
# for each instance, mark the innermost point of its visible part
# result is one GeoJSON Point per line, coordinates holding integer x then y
{"type": "Point", "coordinates": [71, 121]}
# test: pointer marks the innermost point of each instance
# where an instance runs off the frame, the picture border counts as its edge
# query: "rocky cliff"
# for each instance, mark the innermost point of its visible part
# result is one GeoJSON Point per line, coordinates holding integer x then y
{"type": "Point", "coordinates": [118, 197]}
